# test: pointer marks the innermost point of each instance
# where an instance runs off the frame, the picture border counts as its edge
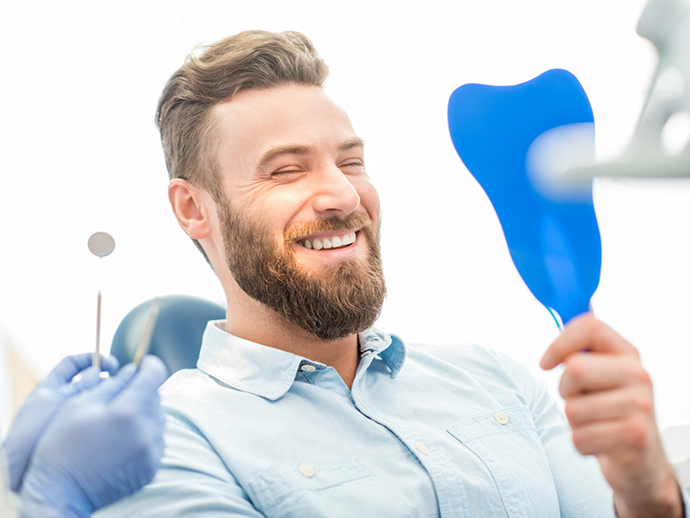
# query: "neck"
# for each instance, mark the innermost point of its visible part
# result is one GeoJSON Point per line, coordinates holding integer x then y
{"type": "Point", "coordinates": [251, 320]}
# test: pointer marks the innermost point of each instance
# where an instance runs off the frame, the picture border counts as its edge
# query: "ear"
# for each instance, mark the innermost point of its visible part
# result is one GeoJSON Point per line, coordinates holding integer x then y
{"type": "Point", "coordinates": [191, 206]}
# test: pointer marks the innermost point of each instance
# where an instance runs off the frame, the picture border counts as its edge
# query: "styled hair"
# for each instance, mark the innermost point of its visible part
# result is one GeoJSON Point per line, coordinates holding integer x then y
{"type": "Point", "coordinates": [214, 74]}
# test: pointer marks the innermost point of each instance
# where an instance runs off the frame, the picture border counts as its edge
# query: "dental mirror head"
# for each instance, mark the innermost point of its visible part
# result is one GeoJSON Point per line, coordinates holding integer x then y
{"type": "Point", "coordinates": [101, 244]}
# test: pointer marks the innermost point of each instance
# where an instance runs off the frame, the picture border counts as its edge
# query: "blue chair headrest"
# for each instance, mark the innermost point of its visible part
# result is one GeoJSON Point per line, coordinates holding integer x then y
{"type": "Point", "coordinates": [176, 339]}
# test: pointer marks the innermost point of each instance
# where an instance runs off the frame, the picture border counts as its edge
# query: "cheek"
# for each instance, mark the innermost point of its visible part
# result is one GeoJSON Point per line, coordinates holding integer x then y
{"type": "Point", "coordinates": [369, 199]}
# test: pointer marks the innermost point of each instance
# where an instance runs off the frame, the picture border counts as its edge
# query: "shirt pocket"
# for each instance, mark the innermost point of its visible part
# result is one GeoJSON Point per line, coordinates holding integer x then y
{"type": "Point", "coordinates": [507, 443]}
{"type": "Point", "coordinates": [328, 488]}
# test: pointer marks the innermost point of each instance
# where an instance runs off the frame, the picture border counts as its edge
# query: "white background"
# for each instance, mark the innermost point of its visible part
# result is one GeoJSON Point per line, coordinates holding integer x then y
{"type": "Point", "coordinates": [79, 153]}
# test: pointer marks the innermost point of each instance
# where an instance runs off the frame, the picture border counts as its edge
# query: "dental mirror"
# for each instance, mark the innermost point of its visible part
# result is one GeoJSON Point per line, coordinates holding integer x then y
{"type": "Point", "coordinates": [101, 244]}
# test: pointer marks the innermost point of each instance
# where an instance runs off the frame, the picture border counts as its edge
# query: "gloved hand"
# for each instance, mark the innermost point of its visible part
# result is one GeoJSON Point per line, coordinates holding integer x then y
{"type": "Point", "coordinates": [105, 443]}
{"type": "Point", "coordinates": [43, 404]}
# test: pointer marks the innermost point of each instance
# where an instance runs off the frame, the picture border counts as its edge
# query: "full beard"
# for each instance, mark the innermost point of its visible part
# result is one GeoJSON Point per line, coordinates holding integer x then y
{"type": "Point", "coordinates": [341, 299]}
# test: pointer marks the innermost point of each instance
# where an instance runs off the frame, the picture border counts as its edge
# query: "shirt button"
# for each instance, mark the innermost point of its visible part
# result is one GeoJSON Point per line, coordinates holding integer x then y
{"type": "Point", "coordinates": [422, 448]}
{"type": "Point", "coordinates": [307, 368]}
{"type": "Point", "coordinates": [361, 401]}
{"type": "Point", "coordinates": [306, 470]}
{"type": "Point", "coordinates": [501, 417]}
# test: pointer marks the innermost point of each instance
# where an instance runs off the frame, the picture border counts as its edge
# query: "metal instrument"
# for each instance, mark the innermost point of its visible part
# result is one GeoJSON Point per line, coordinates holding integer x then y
{"type": "Point", "coordinates": [101, 244]}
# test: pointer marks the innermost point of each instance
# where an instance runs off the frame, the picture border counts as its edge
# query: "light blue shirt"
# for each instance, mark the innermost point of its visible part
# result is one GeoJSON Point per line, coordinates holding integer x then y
{"type": "Point", "coordinates": [424, 432]}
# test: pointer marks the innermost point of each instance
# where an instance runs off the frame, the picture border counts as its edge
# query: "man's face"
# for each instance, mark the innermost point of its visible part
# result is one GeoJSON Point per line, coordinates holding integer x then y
{"type": "Point", "coordinates": [300, 216]}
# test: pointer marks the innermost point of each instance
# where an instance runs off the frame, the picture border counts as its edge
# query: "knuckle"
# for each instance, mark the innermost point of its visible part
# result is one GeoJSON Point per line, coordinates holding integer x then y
{"type": "Point", "coordinates": [572, 411]}
{"type": "Point", "coordinates": [634, 371]}
{"type": "Point", "coordinates": [580, 442]}
{"type": "Point", "coordinates": [643, 376]}
{"type": "Point", "coordinates": [563, 386]}
{"type": "Point", "coordinates": [594, 327]}
{"type": "Point", "coordinates": [634, 352]}
{"type": "Point", "coordinates": [637, 435]}
{"type": "Point", "coordinates": [642, 402]}
{"type": "Point", "coordinates": [575, 366]}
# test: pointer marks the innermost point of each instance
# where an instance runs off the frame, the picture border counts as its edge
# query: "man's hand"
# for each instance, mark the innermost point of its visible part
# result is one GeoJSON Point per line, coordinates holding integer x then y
{"type": "Point", "coordinates": [610, 407]}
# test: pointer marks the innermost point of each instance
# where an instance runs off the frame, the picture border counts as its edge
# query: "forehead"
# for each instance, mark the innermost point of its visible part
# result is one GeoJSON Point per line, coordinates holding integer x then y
{"type": "Point", "coordinates": [255, 121]}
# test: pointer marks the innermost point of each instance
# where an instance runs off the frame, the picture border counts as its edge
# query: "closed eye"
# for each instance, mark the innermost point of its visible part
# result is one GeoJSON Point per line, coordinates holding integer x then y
{"type": "Point", "coordinates": [356, 163]}
{"type": "Point", "coordinates": [285, 171]}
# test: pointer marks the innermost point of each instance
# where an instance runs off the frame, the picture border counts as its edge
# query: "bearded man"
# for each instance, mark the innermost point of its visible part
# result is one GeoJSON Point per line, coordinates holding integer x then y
{"type": "Point", "coordinates": [298, 407]}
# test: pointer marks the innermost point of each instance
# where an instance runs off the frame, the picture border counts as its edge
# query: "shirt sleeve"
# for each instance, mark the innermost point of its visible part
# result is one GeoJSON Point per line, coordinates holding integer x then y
{"type": "Point", "coordinates": [192, 481]}
{"type": "Point", "coordinates": [581, 487]}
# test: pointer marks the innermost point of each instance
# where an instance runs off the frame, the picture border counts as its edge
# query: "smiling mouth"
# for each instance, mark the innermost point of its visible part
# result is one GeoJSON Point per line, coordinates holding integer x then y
{"type": "Point", "coordinates": [329, 243]}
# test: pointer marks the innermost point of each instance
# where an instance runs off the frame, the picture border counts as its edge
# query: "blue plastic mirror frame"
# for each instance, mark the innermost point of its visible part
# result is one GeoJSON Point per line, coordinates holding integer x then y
{"type": "Point", "coordinates": [555, 246]}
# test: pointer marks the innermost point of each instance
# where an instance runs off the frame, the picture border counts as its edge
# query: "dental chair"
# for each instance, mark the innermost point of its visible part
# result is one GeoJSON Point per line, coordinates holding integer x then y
{"type": "Point", "coordinates": [176, 337]}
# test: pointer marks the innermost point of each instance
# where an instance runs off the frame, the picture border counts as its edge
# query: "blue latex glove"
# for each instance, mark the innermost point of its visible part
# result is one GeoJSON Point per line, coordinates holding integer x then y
{"type": "Point", "coordinates": [43, 404]}
{"type": "Point", "coordinates": [105, 444]}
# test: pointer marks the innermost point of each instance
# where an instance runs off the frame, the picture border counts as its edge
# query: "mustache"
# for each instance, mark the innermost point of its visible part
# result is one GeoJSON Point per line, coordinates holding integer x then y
{"type": "Point", "coordinates": [334, 224]}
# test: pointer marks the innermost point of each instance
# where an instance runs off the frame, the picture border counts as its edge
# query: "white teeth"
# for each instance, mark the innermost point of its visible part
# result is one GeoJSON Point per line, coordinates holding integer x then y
{"type": "Point", "coordinates": [328, 243]}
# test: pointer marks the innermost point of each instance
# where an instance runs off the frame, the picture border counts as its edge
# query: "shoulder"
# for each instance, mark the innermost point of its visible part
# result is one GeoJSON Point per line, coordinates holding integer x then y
{"type": "Point", "coordinates": [191, 397]}
{"type": "Point", "coordinates": [181, 381]}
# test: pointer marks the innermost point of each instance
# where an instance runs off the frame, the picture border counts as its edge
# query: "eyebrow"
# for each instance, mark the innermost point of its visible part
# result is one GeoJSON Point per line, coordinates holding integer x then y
{"type": "Point", "coordinates": [278, 151]}
{"type": "Point", "coordinates": [351, 143]}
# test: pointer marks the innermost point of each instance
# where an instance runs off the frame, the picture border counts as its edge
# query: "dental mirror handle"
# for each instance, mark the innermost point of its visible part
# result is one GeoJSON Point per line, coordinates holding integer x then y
{"type": "Point", "coordinates": [97, 353]}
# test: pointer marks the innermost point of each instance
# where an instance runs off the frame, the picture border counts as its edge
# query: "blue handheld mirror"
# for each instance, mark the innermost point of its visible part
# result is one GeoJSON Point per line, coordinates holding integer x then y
{"type": "Point", "coordinates": [514, 140]}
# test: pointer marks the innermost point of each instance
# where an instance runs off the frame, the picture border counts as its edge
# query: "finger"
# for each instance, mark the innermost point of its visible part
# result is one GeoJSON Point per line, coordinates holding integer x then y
{"type": "Point", "coordinates": [151, 375]}
{"type": "Point", "coordinates": [609, 405]}
{"type": "Point", "coordinates": [587, 372]}
{"type": "Point", "coordinates": [90, 377]}
{"type": "Point", "coordinates": [70, 366]}
{"type": "Point", "coordinates": [585, 333]}
{"type": "Point", "coordinates": [67, 369]}
{"type": "Point", "coordinates": [621, 437]}
{"type": "Point", "coordinates": [110, 364]}
{"type": "Point", "coordinates": [107, 389]}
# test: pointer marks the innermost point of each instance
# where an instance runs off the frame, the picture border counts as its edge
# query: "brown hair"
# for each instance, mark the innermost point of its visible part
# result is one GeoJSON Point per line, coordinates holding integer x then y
{"type": "Point", "coordinates": [214, 74]}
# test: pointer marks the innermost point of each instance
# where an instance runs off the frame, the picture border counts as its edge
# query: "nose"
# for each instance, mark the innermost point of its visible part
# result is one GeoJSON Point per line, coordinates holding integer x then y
{"type": "Point", "coordinates": [334, 195]}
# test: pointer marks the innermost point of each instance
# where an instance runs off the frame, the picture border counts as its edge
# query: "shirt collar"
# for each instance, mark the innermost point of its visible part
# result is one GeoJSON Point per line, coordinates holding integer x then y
{"type": "Point", "coordinates": [269, 372]}
{"type": "Point", "coordinates": [389, 347]}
